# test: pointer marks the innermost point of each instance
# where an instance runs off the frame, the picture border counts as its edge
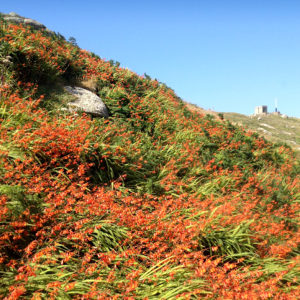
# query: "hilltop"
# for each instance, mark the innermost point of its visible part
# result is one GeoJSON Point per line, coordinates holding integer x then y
{"type": "Point", "coordinates": [272, 127]}
{"type": "Point", "coordinates": [151, 201]}
{"type": "Point", "coordinates": [276, 128]}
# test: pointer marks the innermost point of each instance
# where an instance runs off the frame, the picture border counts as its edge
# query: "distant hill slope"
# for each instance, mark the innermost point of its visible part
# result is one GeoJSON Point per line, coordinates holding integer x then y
{"type": "Point", "coordinates": [272, 127]}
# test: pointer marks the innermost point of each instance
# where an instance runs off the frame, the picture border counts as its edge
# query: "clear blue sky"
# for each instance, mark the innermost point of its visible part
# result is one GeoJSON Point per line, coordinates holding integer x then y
{"type": "Point", "coordinates": [224, 55]}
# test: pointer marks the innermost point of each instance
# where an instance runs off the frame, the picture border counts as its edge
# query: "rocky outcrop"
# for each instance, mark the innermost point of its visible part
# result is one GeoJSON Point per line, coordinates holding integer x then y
{"type": "Point", "coordinates": [15, 18]}
{"type": "Point", "coordinates": [87, 102]}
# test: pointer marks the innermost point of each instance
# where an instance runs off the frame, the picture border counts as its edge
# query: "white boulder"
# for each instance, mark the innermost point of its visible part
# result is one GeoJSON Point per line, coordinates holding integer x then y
{"type": "Point", "coordinates": [87, 102]}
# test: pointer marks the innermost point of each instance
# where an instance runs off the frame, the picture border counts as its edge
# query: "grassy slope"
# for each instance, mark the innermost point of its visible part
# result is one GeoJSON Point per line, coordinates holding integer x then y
{"type": "Point", "coordinates": [273, 128]}
{"type": "Point", "coordinates": [156, 202]}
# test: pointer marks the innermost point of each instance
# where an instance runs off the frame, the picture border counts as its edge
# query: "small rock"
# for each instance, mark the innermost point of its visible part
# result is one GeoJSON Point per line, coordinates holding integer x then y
{"type": "Point", "coordinates": [267, 125]}
{"type": "Point", "coordinates": [6, 60]}
{"type": "Point", "coordinates": [13, 14]}
{"type": "Point", "coordinates": [34, 23]}
{"type": "Point", "coordinates": [14, 19]}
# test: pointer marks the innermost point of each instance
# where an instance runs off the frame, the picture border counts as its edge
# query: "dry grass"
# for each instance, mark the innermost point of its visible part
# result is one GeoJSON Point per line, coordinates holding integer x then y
{"type": "Point", "coordinates": [89, 84]}
{"type": "Point", "coordinates": [193, 107]}
{"type": "Point", "coordinates": [272, 127]}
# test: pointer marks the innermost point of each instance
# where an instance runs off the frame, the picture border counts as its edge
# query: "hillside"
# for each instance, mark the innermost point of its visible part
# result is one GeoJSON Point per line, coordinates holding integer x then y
{"type": "Point", "coordinates": [156, 201]}
{"type": "Point", "coordinates": [272, 127]}
{"type": "Point", "coordinates": [275, 128]}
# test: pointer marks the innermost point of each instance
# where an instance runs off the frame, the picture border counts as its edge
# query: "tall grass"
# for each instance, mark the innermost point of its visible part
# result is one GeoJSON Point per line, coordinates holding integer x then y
{"type": "Point", "coordinates": [156, 202]}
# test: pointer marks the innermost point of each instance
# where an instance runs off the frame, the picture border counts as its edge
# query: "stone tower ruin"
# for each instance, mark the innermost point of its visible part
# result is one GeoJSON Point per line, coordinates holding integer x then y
{"type": "Point", "coordinates": [263, 109]}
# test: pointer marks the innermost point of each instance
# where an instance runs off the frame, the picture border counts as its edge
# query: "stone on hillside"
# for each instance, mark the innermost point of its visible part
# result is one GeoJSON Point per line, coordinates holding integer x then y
{"type": "Point", "coordinates": [13, 14]}
{"type": "Point", "coordinates": [15, 18]}
{"type": "Point", "coordinates": [34, 23]}
{"type": "Point", "coordinates": [87, 102]}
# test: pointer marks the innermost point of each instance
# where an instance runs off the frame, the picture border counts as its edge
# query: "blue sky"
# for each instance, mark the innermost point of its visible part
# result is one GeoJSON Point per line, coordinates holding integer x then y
{"type": "Point", "coordinates": [223, 55]}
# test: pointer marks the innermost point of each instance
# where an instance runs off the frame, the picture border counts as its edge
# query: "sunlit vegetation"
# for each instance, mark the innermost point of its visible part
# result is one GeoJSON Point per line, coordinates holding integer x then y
{"type": "Point", "coordinates": [156, 202]}
{"type": "Point", "coordinates": [274, 128]}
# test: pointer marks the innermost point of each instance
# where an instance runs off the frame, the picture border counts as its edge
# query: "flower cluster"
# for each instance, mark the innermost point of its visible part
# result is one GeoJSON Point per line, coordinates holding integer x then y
{"type": "Point", "coordinates": [156, 202]}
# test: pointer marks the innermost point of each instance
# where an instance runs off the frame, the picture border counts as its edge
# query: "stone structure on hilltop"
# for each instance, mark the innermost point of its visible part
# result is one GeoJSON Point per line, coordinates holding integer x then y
{"type": "Point", "coordinates": [259, 110]}
{"type": "Point", "coordinates": [263, 111]}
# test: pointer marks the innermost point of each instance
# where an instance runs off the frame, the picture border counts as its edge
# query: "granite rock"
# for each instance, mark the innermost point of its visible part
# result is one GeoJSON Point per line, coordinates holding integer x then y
{"type": "Point", "coordinates": [15, 18]}
{"type": "Point", "coordinates": [86, 101]}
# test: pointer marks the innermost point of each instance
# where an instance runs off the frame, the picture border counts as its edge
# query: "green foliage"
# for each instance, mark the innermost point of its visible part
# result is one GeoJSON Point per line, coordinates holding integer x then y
{"type": "Point", "coordinates": [20, 201]}
{"type": "Point", "coordinates": [167, 281]}
{"type": "Point", "coordinates": [154, 202]}
{"type": "Point", "coordinates": [108, 237]}
{"type": "Point", "coordinates": [73, 41]}
{"type": "Point", "coordinates": [230, 244]}
{"type": "Point", "coordinates": [21, 207]}
{"type": "Point", "coordinates": [284, 131]}
{"type": "Point", "coordinates": [221, 116]}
